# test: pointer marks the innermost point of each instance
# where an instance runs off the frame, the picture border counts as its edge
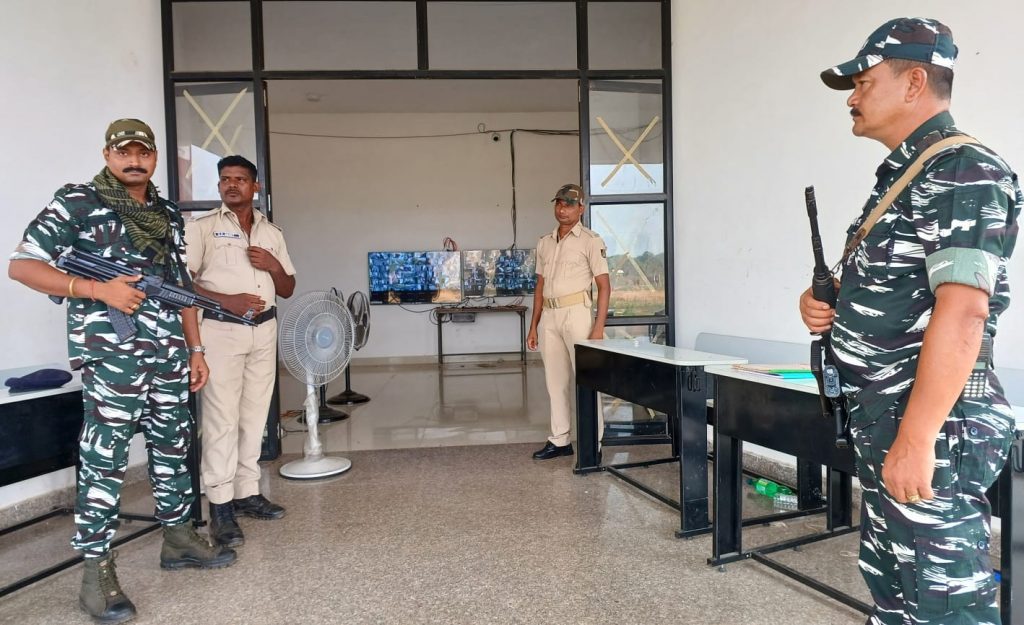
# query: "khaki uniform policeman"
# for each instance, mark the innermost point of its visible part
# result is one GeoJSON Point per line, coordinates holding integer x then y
{"type": "Point", "coordinates": [917, 310]}
{"type": "Point", "coordinates": [242, 359]}
{"type": "Point", "coordinates": [569, 260]}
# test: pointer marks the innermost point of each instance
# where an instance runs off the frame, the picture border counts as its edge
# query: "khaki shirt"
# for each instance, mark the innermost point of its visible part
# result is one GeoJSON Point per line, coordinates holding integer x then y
{"type": "Point", "coordinates": [570, 265]}
{"type": "Point", "coordinates": [217, 245]}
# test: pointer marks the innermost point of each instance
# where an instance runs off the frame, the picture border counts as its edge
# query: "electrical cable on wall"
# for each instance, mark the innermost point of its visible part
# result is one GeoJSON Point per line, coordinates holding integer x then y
{"type": "Point", "coordinates": [481, 129]}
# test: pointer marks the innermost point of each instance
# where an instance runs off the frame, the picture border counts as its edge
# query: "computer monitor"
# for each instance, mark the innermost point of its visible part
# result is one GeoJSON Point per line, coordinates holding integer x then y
{"type": "Point", "coordinates": [496, 273]}
{"type": "Point", "coordinates": [415, 277]}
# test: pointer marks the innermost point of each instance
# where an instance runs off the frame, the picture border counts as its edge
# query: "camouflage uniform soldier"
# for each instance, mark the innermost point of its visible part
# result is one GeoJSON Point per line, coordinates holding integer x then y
{"type": "Point", "coordinates": [142, 382]}
{"type": "Point", "coordinates": [919, 296]}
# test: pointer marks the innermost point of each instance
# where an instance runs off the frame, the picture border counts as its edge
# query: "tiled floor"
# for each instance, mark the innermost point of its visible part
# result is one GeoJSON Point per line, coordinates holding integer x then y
{"type": "Point", "coordinates": [445, 518]}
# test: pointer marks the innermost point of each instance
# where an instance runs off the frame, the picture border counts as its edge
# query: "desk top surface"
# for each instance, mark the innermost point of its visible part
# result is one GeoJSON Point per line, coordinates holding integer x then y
{"type": "Point", "coordinates": [804, 386]}
{"type": "Point", "coordinates": [662, 353]}
{"type": "Point", "coordinates": [809, 385]}
{"type": "Point", "coordinates": [7, 397]}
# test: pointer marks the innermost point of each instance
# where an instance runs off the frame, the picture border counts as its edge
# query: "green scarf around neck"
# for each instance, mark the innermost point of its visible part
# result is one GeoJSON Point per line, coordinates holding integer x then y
{"type": "Point", "coordinates": [148, 225]}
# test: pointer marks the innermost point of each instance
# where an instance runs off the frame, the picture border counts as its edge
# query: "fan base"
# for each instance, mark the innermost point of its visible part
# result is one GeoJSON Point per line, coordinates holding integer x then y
{"type": "Point", "coordinates": [326, 415]}
{"type": "Point", "coordinates": [307, 469]}
{"type": "Point", "coordinates": [348, 398]}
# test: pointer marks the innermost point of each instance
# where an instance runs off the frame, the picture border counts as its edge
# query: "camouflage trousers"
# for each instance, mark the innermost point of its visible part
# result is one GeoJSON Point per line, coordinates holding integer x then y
{"type": "Point", "coordinates": [928, 563]}
{"type": "Point", "coordinates": [121, 394]}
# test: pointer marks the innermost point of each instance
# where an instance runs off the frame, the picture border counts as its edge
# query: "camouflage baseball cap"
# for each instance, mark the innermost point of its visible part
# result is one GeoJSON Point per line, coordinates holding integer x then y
{"type": "Point", "coordinates": [121, 132]}
{"type": "Point", "coordinates": [911, 38]}
{"type": "Point", "coordinates": [569, 193]}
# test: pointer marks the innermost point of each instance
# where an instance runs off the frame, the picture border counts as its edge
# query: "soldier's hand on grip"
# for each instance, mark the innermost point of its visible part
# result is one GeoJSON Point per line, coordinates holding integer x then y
{"type": "Point", "coordinates": [817, 316]}
{"type": "Point", "coordinates": [120, 294]}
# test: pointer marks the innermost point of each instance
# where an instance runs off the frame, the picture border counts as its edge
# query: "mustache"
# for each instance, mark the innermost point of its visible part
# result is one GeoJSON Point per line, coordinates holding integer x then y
{"type": "Point", "coordinates": [854, 112]}
{"type": "Point", "coordinates": [134, 170]}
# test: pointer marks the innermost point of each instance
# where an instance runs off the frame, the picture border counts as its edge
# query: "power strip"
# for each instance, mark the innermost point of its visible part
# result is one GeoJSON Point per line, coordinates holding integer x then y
{"type": "Point", "coordinates": [463, 317]}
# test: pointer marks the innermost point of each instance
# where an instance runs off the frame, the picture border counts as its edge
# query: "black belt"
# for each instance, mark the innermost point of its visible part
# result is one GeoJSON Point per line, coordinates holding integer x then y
{"type": "Point", "coordinates": [266, 315]}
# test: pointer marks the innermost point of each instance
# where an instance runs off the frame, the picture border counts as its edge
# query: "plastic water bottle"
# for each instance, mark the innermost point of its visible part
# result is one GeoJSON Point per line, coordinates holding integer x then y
{"type": "Point", "coordinates": [787, 501]}
{"type": "Point", "coordinates": [768, 488]}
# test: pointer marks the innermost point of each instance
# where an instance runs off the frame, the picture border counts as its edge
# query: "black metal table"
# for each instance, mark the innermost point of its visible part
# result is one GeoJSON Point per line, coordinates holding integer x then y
{"type": "Point", "coordinates": [38, 435]}
{"type": "Point", "coordinates": [447, 312]}
{"type": "Point", "coordinates": [663, 378]}
{"type": "Point", "coordinates": [785, 415]}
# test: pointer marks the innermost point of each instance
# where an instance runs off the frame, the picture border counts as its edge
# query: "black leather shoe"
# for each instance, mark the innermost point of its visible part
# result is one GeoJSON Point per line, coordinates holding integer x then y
{"type": "Point", "coordinates": [258, 507]}
{"type": "Point", "coordinates": [552, 450]}
{"type": "Point", "coordinates": [224, 528]}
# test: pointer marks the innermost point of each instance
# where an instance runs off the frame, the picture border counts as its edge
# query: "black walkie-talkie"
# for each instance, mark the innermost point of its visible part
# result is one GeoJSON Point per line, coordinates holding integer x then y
{"type": "Point", "coordinates": [823, 288]}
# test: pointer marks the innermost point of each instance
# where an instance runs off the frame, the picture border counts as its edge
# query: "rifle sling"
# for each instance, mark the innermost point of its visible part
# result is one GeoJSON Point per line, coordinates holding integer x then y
{"type": "Point", "coordinates": [913, 169]}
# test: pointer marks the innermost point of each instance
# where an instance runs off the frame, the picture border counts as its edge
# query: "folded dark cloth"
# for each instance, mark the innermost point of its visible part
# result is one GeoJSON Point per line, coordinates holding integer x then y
{"type": "Point", "coordinates": [38, 380]}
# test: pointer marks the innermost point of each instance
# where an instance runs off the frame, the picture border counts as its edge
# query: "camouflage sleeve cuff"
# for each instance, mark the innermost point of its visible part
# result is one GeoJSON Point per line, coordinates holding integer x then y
{"type": "Point", "coordinates": [962, 265]}
{"type": "Point", "coordinates": [29, 251]}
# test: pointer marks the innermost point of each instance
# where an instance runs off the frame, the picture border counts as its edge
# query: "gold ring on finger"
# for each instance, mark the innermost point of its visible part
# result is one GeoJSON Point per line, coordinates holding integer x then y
{"type": "Point", "coordinates": [913, 498]}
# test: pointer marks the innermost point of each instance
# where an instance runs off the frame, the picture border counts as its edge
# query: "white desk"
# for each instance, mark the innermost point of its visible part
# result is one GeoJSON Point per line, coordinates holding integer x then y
{"type": "Point", "coordinates": [6, 396]}
{"type": "Point", "coordinates": [667, 379]}
{"type": "Point", "coordinates": [786, 415]}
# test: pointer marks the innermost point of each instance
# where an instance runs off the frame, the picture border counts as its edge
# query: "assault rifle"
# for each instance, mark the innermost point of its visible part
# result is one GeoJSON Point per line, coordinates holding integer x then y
{"type": "Point", "coordinates": [823, 287]}
{"type": "Point", "coordinates": [86, 265]}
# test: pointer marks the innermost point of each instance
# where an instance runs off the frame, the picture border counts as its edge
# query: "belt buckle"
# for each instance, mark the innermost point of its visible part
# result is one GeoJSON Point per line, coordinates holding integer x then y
{"type": "Point", "coordinates": [552, 302]}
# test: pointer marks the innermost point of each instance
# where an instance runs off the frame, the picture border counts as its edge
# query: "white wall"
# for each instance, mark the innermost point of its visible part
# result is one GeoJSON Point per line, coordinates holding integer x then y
{"type": "Point", "coordinates": [65, 79]}
{"type": "Point", "coordinates": [754, 125]}
{"type": "Point", "coordinates": [338, 199]}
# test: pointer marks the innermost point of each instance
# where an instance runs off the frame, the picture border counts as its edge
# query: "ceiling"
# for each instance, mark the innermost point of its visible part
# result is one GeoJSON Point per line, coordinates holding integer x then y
{"type": "Point", "coordinates": [421, 96]}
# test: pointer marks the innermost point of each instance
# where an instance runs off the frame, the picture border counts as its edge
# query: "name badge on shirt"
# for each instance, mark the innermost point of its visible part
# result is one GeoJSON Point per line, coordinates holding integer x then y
{"type": "Point", "coordinates": [227, 235]}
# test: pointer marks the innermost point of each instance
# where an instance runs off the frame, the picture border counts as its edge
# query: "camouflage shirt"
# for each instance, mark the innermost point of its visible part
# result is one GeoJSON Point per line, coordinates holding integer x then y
{"type": "Point", "coordinates": [955, 222]}
{"type": "Point", "coordinates": [77, 218]}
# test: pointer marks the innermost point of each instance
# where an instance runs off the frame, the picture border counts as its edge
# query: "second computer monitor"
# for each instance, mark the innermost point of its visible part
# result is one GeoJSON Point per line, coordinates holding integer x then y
{"type": "Point", "coordinates": [497, 273]}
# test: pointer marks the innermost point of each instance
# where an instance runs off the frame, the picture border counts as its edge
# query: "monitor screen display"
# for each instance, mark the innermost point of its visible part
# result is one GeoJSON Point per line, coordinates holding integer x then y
{"type": "Point", "coordinates": [495, 273]}
{"type": "Point", "coordinates": [415, 277]}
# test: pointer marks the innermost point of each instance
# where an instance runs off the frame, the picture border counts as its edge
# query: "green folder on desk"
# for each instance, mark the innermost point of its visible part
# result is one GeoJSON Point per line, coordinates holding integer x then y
{"type": "Point", "coordinates": [785, 372]}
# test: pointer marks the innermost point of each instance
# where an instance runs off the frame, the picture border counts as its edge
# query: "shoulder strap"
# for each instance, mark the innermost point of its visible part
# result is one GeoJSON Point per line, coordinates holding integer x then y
{"type": "Point", "coordinates": [913, 170]}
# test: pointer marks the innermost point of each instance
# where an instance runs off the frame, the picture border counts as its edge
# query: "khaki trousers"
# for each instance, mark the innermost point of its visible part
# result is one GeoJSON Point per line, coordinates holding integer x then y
{"type": "Point", "coordinates": [559, 330]}
{"type": "Point", "coordinates": [235, 403]}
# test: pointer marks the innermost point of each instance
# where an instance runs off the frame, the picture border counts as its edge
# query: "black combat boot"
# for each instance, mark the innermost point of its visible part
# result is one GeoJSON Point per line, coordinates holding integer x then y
{"type": "Point", "coordinates": [224, 528]}
{"type": "Point", "coordinates": [101, 595]}
{"type": "Point", "coordinates": [183, 548]}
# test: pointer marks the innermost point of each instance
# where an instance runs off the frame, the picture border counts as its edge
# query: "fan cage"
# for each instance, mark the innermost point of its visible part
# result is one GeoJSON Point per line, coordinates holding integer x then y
{"type": "Point", "coordinates": [316, 337]}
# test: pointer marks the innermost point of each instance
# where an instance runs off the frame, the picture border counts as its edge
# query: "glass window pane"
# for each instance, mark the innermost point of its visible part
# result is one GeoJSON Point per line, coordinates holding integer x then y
{"type": "Point", "coordinates": [626, 137]}
{"type": "Point", "coordinates": [622, 418]}
{"type": "Point", "coordinates": [214, 120]}
{"type": "Point", "coordinates": [635, 236]}
{"type": "Point", "coordinates": [339, 35]}
{"type": "Point", "coordinates": [654, 333]}
{"type": "Point", "coordinates": [624, 35]}
{"type": "Point", "coordinates": [502, 35]}
{"type": "Point", "coordinates": [212, 36]}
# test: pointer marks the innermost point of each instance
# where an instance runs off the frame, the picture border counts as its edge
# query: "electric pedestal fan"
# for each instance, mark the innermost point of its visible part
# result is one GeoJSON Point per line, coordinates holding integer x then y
{"type": "Point", "coordinates": [359, 306]}
{"type": "Point", "coordinates": [315, 339]}
{"type": "Point", "coordinates": [325, 412]}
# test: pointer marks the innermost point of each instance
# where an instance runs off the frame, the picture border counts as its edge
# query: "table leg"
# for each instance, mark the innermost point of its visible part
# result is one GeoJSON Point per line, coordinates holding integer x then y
{"type": "Point", "coordinates": [440, 341]}
{"type": "Point", "coordinates": [691, 427]}
{"type": "Point", "coordinates": [728, 476]}
{"type": "Point", "coordinates": [586, 430]}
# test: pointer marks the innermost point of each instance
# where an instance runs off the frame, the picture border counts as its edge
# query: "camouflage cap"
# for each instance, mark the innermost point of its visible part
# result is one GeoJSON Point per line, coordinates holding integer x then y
{"type": "Point", "coordinates": [911, 38]}
{"type": "Point", "coordinates": [569, 193]}
{"type": "Point", "coordinates": [121, 132]}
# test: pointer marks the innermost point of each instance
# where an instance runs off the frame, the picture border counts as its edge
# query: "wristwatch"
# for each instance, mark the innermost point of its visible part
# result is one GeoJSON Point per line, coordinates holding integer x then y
{"type": "Point", "coordinates": [197, 349]}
